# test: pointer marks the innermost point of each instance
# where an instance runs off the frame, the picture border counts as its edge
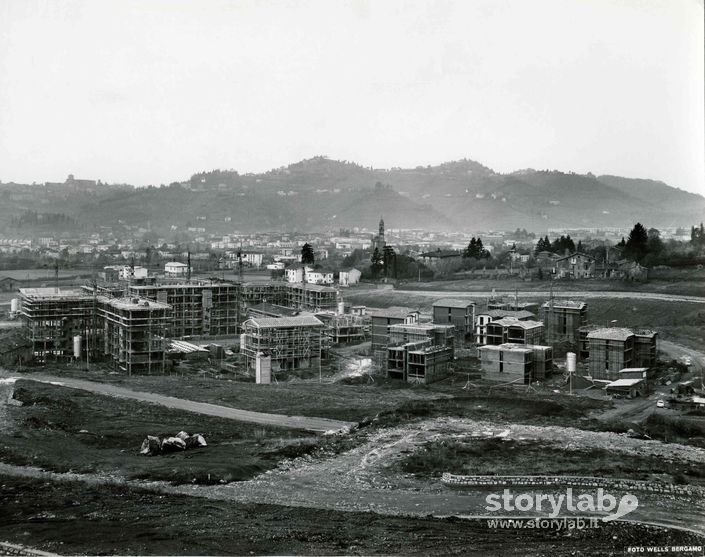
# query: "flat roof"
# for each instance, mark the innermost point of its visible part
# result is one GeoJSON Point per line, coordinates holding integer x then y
{"type": "Point", "coordinates": [54, 293]}
{"type": "Point", "coordinates": [625, 382]}
{"type": "Point", "coordinates": [453, 303]}
{"type": "Point", "coordinates": [312, 287]}
{"type": "Point", "coordinates": [611, 333]}
{"type": "Point", "coordinates": [565, 304]}
{"type": "Point", "coordinates": [499, 313]}
{"type": "Point", "coordinates": [280, 322]}
{"type": "Point", "coordinates": [633, 369]}
{"type": "Point", "coordinates": [507, 346]}
{"type": "Point", "coordinates": [514, 322]}
{"type": "Point", "coordinates": [133, 303]}
{"type": "Point", "coordinates": [420, 326]}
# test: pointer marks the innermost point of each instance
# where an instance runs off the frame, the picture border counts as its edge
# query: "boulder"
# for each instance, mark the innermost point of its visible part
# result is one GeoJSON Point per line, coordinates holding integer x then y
{"type": "Point", "coordinates": [196, 441]}
{"type": "Point", "coordinates": [151, 446]}
{"type": "Point", "coordinates": [173, 444]}
{"type": "Point", "coordinates": [183, 435]}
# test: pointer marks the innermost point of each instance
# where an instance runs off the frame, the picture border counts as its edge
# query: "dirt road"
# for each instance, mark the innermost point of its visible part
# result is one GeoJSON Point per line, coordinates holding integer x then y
{"type": "Point", "coordinates": [364, 478]}
{"type": "Point", "coordinates": [313, 424]}
{"type": "Point", "coordinates": [581, 294]}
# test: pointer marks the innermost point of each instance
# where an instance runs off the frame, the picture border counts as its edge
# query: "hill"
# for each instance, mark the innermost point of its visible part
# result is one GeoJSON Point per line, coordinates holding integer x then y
{"type": "Point", "coordinates": [325, 194]}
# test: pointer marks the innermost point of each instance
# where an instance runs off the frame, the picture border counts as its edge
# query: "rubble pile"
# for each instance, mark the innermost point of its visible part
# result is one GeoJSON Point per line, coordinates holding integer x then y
{"type": "Point", "coordinates": [182, 441]}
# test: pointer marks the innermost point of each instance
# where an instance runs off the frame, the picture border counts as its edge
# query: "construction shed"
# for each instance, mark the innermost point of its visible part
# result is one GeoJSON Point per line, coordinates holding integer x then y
{"type": "Point", "coordinates": [627, 388]}
{"type": "Point", "coordinates": [291, 342]}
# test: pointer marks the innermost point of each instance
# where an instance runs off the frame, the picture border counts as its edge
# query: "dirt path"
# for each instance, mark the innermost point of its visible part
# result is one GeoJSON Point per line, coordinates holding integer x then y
{"type": "Point", "coordinates": [313, 424]}
{"type": "Point", "coordinates": [582, 294]}
{"type": "Point", "coordinates": [365, 479]}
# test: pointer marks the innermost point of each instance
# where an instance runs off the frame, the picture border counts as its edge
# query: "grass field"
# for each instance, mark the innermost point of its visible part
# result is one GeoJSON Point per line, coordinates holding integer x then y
{"type": "Point", "coordinates": [509, 457]}
{"type": "Point", "coordinates": [326, 400]}
{"type": "Point", "coordinates": [74, 518]}
{"type": "Point", "coordinates": [64, 429]}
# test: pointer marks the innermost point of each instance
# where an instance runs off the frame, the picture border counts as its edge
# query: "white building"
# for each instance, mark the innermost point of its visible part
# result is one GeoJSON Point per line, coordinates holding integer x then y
{"type": "Point", "coordinates": [348, 278]}
{"type": "Point", "coordinates": [175, 269]}
{"type": "Point", "coordinates": [127, 272]}
{"type": "Point", "coordinates": [295, 275]}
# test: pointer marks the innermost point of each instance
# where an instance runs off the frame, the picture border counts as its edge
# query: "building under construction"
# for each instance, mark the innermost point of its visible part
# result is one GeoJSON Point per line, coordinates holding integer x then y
{"type": "Point", "coordinates": [460, 313]}
{"type": "Point", "coordinates": [343, 328]}
{"type": "Point", "coordinates": [611, 349]}
{"type": "Point", "coordinates": [518, 363]}
{"type": "Point", "coordinates": [134, 333]}
{"type": "Point", "coordinates": [514, 331]}
{"type": "Point", "coordinates": [563, 319]}
{"type": "Point", "coordinates": [58, 320]}
{"type": "Point", "coordinates": [311, 297]}
{"type": "Point", "coordinates": [290, 342]}
{"type": "Point", "coordinates": [420, 353]}
{"type": "Point", "coordinates": [74, 324]}
{"type": "Point", "coordinates": [199, 308]}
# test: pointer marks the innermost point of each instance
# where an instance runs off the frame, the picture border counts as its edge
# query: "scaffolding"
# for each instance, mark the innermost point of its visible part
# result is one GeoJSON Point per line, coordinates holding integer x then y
{"type": "Point", "coordinates": [611, 349]}
{"type": "Point", "coordinates": [312, 297]}
{"type": "Point", "coordinates": [199, 309]}
{"type": "Point", "coordinates": [563, 320]}
{"type": "Point", "coordinates": [511, 330]}
{"type": "Point", "coordinates": [53, 317]}
{"type": "Point", "coordinates": [291, 342]}
{"type": "Point", "coordinates": [343, 328]}
{"type": "Point", "coordinates": [135, 333]}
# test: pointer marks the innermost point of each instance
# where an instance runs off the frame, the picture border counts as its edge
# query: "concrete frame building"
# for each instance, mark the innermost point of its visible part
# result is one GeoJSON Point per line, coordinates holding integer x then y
{"type": "Point", "coordinates": [521, 363]}
{"type": "Point", "coordinates": [420, 353]}
{"type": "Point", "coordinates": [611, 349]}
{"type": "Point", "coordinates": [512, 330]}
{"type": "Point", "coordinates": [459, 313]}
{"type": "Point", "coordinates": [135, 333]}
{"type": "Point", "coordinates": [199, 309]}
{"type": "Point", "coordinates": [482, 319]}
{"type": "Point", "coordinates": [381, 320]}
{"type": "Point", "coordinates": [291, 342]}
{"type": "Point", "coordinates": [562, 320]}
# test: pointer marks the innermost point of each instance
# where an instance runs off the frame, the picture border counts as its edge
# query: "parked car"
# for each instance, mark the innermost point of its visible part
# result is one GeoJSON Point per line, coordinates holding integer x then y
{"type": "Point", "coordinates": [660, 404]}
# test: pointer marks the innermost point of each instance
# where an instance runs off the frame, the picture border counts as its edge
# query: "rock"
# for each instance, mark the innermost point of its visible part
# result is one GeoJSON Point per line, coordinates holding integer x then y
{"type": "Point", "coordinates": [196, 441]}
{"type": "Point", "coordinates": [151, 446]}
{"type": "Point", "coordinates": [173, 444]}
{"type": "Point", "coordinates": [183, 435]}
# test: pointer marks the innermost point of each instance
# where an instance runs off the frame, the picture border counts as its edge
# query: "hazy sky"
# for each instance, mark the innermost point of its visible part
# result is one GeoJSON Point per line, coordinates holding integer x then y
{"type": "Point", "coordinates": [153, 91]}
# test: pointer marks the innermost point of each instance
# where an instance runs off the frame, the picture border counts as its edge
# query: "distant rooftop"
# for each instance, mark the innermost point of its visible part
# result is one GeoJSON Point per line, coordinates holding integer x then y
{"type": "Point", "coordinates": [514, 322]}
{"type": "Point", "coordinates": [283, 322]}
{"type": "Point", "coordinates": [611, 333]}
{"type": "Point", "coordinates": [133, 303]}
{"type": "Point", "coordinates": [48, 293]}
{"type": "Point", "coordinates": [453, 303]}
{"type": "Point", "coordinates": [625, 382]}
{"type": "Point", "coordinates": [566, 304]}
{"type": "Point", "coordinates": [500, 313]}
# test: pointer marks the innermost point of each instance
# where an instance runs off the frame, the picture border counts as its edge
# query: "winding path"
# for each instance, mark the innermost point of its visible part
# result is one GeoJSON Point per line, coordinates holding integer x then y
{"type": "Point", "coordinates": [306, 423]}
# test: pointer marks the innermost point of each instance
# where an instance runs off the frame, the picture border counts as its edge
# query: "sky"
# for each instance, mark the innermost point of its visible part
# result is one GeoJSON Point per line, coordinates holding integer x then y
{"type": "Point", "coordinates": [151, 92]}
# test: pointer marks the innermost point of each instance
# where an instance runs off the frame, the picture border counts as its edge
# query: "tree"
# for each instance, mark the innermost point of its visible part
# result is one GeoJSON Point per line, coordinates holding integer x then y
{"type": "Point", "coordinates": [579, 247]}
{"type": "Point", "coordinates": [307, 257]}
{"type": "Point", "coordinates": [637, 247]}
{"type": "Point", "coordinates": [377, 262]}
{"type": "Point", "coordinates": [388, 259]}
{"type": "Point", "coordinates": [654, 244]}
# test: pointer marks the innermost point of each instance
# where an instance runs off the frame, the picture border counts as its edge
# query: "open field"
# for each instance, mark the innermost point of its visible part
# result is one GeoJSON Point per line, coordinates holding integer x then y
{"type": "Point", "coordinates": [65, 429]}
{"type": "Point", "coordinates": [326, 400]}
{"type": "Point", "coordinates": [72, 518]}
{"type": "Point", "coordinates": [498, 456]}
